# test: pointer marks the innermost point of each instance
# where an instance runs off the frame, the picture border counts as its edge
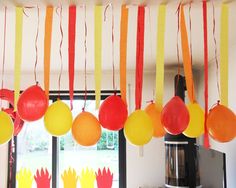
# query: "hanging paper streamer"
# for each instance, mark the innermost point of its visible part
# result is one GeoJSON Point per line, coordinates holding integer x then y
{"type": "Point", "coordinates": [123, 50]}
{"type": "Point", "coordinates": [139, 57]}
{"type": "Point", "coordinates": [224, 54]}
{"type": "Point", "coordinates": [47, 48]}
{"type": "Point", "coordinates": [160, 54]}
{"type": "Point", "coordinates": [186, 57]}
{"type": "Point", "coordinates": [18, 54]}
{"type": "Point", "coordinates": [206, 136]}
{"type": "Point", "coordinates": [72, 28]}
{"type": "Point", "coordinates": [98, 52]}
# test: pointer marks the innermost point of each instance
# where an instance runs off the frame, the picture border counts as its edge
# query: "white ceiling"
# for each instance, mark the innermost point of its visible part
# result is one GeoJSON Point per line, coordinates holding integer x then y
{"type": "Point", "coordinates": [150, 33]}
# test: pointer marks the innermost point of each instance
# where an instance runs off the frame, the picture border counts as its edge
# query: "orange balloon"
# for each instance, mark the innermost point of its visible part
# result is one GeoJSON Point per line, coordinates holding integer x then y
{"type": "Point", "coordinates": [86, 129]}
{"type": "Point", "coordinates": [154, 112]}
{"type": "Point", "coordinates": [221, 123]}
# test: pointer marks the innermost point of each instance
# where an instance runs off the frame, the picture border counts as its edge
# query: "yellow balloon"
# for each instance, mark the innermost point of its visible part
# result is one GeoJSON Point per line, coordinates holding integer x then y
{"type": "Point", "coordinates": [196, 124]}
{"type": "Point", "coordinates": [138, 128]}
{"type": "Point", "coordinates": [6, 127]}
{"type": "Point", "coordinates": [58, 119]}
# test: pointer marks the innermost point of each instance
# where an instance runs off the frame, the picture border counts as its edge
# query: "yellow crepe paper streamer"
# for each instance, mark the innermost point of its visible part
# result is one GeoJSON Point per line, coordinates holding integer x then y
{"type": "Point", "coordinates": [98, 52]}
{"type": "Point", "coordinates": [224, 54]}
{"type": "Point", "coordinates": [160, 54]}
{"type": "Point", "coordinates": [47, 48]}
{"type": "Point", "coordinates": [123, 50]}
{"type": "Point", "coordinates": [186, 57]}
{"type": "Point", "coordinates": [18, 53]}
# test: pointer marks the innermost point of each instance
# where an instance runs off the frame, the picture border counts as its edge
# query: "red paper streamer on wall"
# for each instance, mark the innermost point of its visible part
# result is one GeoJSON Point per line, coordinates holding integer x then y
{"type": "Point", "coordinates": [204, 7]}
{"type": "Point", "coordinates": [71, 51]}
{"type": "Point", "coordinates": [139, 57]}
{"type": "Point", "coordinates": [123, 50]}
{"type": "Point", "coordinates": [47, 48]}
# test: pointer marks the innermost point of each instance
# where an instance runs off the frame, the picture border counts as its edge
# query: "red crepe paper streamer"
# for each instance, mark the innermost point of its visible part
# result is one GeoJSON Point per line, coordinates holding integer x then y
{"type": "Point", "coordinates": [206, 136]}
{"type": "Point", "coordinates": [8, 95]}
{"type": "Point", "coordinates": [139, 57]}
{"type": "Point", "coordinates": [71, 51]}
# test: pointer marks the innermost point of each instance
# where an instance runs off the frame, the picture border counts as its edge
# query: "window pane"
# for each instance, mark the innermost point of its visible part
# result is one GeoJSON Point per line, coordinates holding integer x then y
{"type": "Point", "coordinates": [104, 154]}
{"type": "Point", "coordinates": [34, 147]}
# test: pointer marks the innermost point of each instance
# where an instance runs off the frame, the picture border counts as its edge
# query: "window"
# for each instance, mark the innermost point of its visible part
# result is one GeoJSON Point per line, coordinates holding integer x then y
{"type": "Point", "coordinates": [35, 148]}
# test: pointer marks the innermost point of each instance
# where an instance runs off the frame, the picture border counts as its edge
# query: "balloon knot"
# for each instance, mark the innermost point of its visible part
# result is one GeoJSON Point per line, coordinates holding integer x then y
{"type": "Point", "coordinates": [151, 101]}
{"type": "Point", "coordinates": [83, 109]}
{"type": "Point", "coordinates": [37, 83]}
{"type": "Point", "coordinates": [218, 102]}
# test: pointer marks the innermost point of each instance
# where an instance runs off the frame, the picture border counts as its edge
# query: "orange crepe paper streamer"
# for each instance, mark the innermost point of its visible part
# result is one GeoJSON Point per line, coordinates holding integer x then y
{"type": "Point", "coordinates": [186, 57]}
{"type": "Point", "coordinates": [47, 48]}
{"type": "Point", "coordinates": [123, 50]}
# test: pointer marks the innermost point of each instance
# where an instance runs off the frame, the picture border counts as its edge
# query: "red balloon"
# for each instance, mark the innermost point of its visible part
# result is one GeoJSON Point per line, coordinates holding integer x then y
{"type": "Point", "coordinates": [175, 116]}
{"type": "Point", "coordinates": [113, 113]}
{"type": "Point", "coordinates": [32, 103]}
{"type": "Point", "coordinates": [8, 95]}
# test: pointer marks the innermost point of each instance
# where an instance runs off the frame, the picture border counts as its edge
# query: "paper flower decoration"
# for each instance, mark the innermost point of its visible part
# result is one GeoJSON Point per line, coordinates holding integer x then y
{"type": "Point", "coordinates": [24, 178]}
{"type": "Point", "coordinates": [104, 178]}
{"type": "Point", "coordinates": [70, 178]}
{"type": "Point", "coordinates": [42, 179]}
{"type": "Point", "coordinates": [87, 178]}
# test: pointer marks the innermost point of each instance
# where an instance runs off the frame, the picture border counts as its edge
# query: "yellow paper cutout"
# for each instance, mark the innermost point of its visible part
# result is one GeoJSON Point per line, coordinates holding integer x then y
{"type": "Point", "coordinates": [224, 54]}
{"type": "Point", "coordinates": [24, 178]}
{"type": "Point", "coordinates": [160, 54]}
{"type": "Point", "coordinates": [98, 53]}
{"type": "Point", "coordinates": [18, 54]}
{"type": "Point", "coordinates": [70, 178]}
{"type": "Point", "coordinates": [87, 178]}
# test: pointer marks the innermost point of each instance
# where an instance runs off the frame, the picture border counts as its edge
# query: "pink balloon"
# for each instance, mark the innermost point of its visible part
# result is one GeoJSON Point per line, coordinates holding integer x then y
{"type": "Point", "coordinates": [32, 103]}
{"type": "Point", "coordinates": [113, 113]}
{"type": "Point", "coordinates": [175, 116]}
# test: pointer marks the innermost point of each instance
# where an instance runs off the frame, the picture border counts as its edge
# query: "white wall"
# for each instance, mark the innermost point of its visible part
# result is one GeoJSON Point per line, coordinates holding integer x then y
{"type": "Point", "coordinates": [143, 170]}
{"type": "Point", "coordinates": [228, 148]}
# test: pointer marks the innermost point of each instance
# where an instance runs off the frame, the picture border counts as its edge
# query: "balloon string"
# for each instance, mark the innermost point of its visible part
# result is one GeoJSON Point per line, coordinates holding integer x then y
{"type": "Point", "coordinates": [177, 45]}
{"type": "Point", "coordinates": [60, 50]}
{"type": "Point", "coordinates": [4, 51]}
{"type": "Point", "coordinates": [85, 57]}
{"type": "Point", "coordinates": [215, 43]}
{"type": "Point", "coordinates": [36, 48]}
{"type": "Point", "coordinates": [112, 37]}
